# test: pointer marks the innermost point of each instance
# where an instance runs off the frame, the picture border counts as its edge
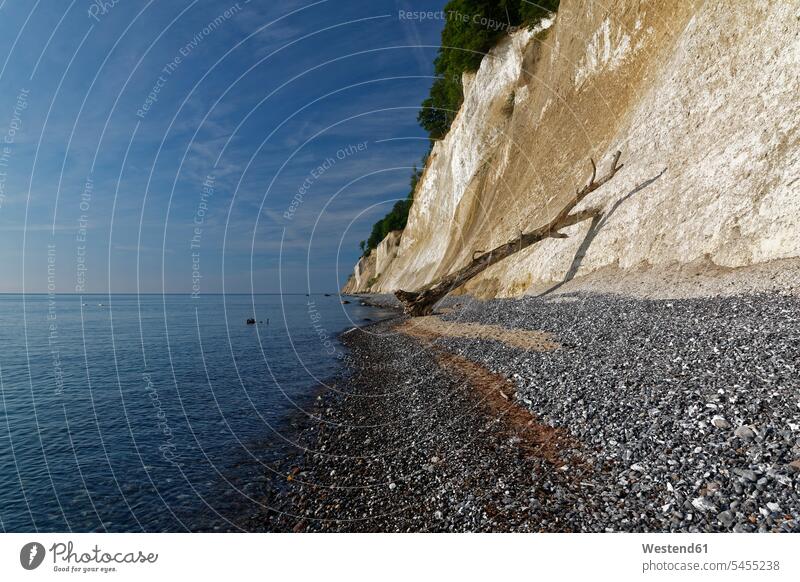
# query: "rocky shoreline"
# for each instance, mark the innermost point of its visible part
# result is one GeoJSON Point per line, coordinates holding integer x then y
{"type": "Point", "coordinates": [651, 415]}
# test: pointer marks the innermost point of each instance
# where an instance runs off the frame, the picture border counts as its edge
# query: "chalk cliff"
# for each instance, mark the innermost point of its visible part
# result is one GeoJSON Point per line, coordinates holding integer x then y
{"type": "Point", "coordinates": [700, 97]}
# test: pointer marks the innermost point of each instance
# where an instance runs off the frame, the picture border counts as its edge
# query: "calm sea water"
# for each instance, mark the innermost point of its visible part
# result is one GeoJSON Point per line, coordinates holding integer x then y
{"type": "Point", "coordinates": [138, 412]}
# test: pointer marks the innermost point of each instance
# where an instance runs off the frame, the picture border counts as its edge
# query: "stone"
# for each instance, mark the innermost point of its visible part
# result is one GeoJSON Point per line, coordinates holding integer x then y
{"type": "Point", "coordinates": [703, 504]}
{"type": "Point", "coordinates": [726, 518]}
{"type": "Point", "coordinates": [745, 433]}
{"type": "Point", "coordinates": [746, 474]}
{"type": "Point", "coordinates": [720, 422]}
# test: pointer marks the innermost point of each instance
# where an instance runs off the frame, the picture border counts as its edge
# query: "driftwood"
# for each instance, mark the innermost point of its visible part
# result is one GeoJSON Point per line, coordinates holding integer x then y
{"type": "Point", "coordinates": [416, 303]}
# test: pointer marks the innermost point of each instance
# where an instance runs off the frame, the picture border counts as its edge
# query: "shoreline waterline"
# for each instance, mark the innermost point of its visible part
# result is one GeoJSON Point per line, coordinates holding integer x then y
{"type": "Point", "coordinates": [151, 403]}
{"type": "Point", "coordinates": [590, 437]}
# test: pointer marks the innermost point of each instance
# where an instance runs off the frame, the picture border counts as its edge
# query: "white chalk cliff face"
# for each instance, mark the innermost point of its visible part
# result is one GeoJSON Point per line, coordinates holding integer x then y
{"type": "Point", "coordinates": [701, 98]}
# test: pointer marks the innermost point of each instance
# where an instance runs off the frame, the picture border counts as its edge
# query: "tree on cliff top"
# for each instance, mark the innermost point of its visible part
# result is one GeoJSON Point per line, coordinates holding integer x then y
{"type": "Point", "coordinates": [472, 27]}
{"type": "Point", "coordinates": [395, 220]}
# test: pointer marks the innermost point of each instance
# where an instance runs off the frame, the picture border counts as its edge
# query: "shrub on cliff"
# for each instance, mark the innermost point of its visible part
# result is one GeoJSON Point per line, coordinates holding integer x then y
{"type": "Point", "coordinates": [472, 27]}
{"type": "Point", "coordinates": [395, 220]}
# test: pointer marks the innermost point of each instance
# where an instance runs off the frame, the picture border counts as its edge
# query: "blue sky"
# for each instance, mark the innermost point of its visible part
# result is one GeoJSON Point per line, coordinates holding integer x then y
{"type": "Point", "coordinates": [130, 132]}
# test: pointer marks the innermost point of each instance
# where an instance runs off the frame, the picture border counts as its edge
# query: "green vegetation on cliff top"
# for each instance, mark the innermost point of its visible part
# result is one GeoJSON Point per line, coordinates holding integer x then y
{"type": "Point", "coordinates": [472, 28]}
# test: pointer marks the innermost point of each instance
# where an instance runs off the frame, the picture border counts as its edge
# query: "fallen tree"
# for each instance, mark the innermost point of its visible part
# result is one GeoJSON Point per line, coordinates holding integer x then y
{"type": "Point", "coordinates": [417, 303]}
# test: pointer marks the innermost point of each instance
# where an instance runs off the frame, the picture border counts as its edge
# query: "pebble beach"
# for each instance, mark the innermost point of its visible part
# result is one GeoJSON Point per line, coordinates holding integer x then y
{"type": "Point", "coordinates": [637, 415]}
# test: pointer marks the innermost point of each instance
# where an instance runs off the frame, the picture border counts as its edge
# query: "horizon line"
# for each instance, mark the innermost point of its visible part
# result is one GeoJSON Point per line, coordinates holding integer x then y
{"type": "Point", "coordinates": [167, 293]}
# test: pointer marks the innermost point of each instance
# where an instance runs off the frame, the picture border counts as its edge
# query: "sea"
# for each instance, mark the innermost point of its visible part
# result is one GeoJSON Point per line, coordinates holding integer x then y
{"type": "Point", "coordinates": [149, 413]}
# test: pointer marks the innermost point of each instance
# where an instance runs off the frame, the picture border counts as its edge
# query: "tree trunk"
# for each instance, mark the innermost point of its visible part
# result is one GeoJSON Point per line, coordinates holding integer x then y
{"type": "Point", "coordinates": [416, 303]}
